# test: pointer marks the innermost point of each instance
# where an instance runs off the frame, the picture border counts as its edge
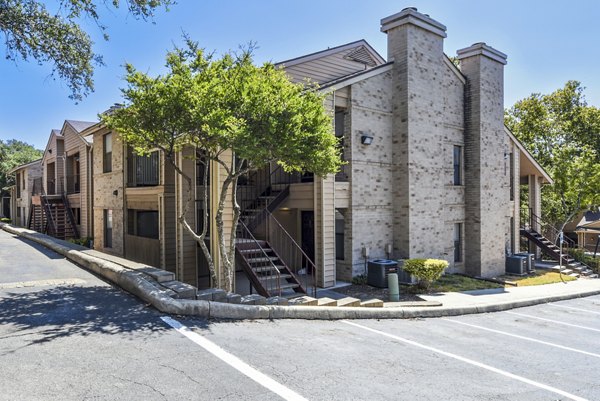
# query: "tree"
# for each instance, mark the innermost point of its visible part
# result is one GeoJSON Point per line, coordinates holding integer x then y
{"type": "Point", "coordinates": [563, 133]}
{"type": "Point", "coordinates": [32, 31]}
{"type": "Point", "coordinates": [14, 153]}
{"type": "Point", "coordinates": [237, 114]}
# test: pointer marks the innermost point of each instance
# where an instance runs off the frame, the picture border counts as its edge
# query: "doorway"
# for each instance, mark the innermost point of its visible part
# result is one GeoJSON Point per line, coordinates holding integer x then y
{"type": "Point", "coordinates": [307, 218]}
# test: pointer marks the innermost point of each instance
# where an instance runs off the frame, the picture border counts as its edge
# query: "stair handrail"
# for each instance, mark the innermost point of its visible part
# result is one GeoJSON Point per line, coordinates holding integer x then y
{"type": "Point", "coordinates": [284, 235]}
{"type": "Point", "coordinates": [70, 216]}
{"type": "Point", "coordinates": [245, 231]}
{"type": "Point", "coordinates": [533, 219]}
{"type": "Point", "coordinates": [49, 215]}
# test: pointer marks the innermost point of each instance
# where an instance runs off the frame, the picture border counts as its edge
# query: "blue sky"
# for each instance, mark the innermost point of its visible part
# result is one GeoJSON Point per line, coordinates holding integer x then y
{"type": "Point", "coordinates": [547, 43]}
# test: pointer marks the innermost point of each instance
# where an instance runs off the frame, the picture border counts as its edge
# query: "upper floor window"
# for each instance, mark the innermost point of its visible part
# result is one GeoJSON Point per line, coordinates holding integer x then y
{"type": "Point", "coordinates": [457, 162]}
{"type": "Point", "coordinates": [107, 153]}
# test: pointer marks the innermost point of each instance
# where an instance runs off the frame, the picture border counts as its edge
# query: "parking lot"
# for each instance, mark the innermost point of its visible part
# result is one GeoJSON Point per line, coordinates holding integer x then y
{"type": "Point", "coordinates": [545, 352]}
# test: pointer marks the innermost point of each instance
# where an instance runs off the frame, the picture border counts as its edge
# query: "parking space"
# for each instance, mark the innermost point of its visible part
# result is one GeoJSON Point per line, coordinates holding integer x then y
{"type": "Point", "coordinates": [545, 352]}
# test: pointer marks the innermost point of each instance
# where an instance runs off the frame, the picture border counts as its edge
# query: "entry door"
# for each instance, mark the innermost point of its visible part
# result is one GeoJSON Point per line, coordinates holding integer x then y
{"type": "Point", "coordinates": [308, 233]}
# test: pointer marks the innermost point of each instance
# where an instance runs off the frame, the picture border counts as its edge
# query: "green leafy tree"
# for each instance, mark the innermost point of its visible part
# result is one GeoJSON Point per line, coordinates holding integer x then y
{"type": "Point", "coordinates": [237, 114]}
{"type": "Point", "coordinates": [563, 133]}
{"type": "Point", "coordinates": [14, 153]}
{"type": "Point", "coordinates": [31, 31]}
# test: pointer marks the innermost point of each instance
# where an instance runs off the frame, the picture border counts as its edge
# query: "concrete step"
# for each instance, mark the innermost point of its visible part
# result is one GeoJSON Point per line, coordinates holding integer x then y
{"type": "Point", "coordinates": [348, 301]}
{"type": "Point", "coordinates": [326, 302]}
{"type": "Point", "coordinates": [304, 301]}
{"type": "Point", "coordinates": [372, 303]}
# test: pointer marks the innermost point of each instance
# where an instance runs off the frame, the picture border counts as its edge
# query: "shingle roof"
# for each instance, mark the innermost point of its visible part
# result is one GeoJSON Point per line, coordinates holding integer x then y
{"type": "Point", "coordinates": [80, 125]}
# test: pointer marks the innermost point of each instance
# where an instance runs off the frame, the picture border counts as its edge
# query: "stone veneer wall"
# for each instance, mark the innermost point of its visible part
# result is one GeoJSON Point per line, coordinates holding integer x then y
{"type": "Point", "coordinates": [487, 196]}
{"type": "Point", "coordinates": [104, 186]}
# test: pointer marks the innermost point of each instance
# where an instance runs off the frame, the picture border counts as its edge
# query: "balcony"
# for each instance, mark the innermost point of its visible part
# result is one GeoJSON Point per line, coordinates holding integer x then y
{"type": "Point", "coordinates": [73, 184]}
{"type": "Point", "coordinates": [142, 171]}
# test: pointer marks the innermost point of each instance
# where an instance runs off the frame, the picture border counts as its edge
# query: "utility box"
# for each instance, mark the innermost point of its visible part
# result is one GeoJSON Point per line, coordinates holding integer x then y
{"type": "Point", "coordinates": [530, 260]}
{"type": "Point", "coordinates": [516, 265]}
{"type": "Point", "coordinates": [404, 277]}
{"type": "Point", "coordinates": [378, 271]}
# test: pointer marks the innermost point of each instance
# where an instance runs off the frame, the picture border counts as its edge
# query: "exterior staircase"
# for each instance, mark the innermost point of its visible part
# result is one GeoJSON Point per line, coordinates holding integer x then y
{"type": "Point", "coordinates": [273, 265]}
{"type": "Point", "coordinates": [571, 267]}
{"type": "Point", "coordinates": [51, 214]}
{"type": "Point", "coordinates": [268, 273]}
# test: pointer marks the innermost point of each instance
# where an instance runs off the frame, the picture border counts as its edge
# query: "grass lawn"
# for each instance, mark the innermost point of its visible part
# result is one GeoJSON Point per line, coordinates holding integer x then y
{"type": "Point", "coordinates": [540, 277]}
{"type": "Point", "coordinates": [455, 283]}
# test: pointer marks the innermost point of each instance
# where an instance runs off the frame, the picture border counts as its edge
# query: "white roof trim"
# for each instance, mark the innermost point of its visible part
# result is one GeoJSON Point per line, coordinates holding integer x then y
{"type": "Point", "coordinates": [333, 50]}
{"type": "Point", "coordinates": [529, 156]}
{"type": "Point", "coordinates": [343, 82]}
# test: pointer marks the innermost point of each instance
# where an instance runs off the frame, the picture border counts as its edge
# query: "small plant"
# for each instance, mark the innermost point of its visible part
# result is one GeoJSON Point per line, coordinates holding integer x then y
{"type": "Point", "coordinates": [84, 241]}
{"type": "Point", "coordinates": [5, 220]}
{"type": "Point", "coordinates": [361, 279]}
{"type": "Point", "coordinates": [426, 270]}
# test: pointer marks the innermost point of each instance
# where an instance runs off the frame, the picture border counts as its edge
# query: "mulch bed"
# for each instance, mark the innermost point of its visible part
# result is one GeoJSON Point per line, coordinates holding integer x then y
{"type": "Point", "coordinates": [365, 292]}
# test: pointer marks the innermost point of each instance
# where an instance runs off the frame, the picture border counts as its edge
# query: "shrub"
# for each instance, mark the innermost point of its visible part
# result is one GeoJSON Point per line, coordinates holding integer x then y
{"type": "Point", "coordinates": [359, 280]}
{"type": "Point", "coordinates": [5, 220]}
{"type": "Point", "coordinates": [85, 241]}
{"type": "Point", "coordinates": [426, 270]}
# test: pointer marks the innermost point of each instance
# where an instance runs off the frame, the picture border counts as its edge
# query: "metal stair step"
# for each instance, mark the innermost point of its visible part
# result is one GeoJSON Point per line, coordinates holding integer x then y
{"type": "Point", "coordinates": [263, 259]}
{"type": "Point", "coordinates": [274, 277]}
{"type": "Point", "coordinates": [254, 250]}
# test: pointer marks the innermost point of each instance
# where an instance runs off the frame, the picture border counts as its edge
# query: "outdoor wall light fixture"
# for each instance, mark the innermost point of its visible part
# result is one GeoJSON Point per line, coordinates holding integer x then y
{"type": "Point", "coordinates": [366, 138]}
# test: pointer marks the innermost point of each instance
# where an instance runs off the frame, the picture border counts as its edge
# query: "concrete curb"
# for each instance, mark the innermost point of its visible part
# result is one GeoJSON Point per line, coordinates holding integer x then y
{"type": "Point", "coordinates": [137, 284]}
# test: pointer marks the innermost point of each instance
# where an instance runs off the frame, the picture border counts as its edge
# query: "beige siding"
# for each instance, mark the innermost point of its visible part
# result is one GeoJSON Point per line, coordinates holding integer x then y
{"type": "Point", "coordinates": [186, 244]}
{"type": "Point", "coordinates": [74, 144]}
{"type": "Point", "coordinates": [324, 190]}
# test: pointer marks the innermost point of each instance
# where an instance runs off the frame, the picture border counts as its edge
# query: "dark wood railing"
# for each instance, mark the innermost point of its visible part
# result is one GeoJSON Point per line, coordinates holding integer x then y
{"type": "Point", "coordinates": [143, 171]}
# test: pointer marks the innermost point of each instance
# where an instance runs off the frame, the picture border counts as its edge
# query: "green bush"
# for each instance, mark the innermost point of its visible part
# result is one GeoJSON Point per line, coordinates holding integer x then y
{"type": "Point", "coordinates": [84, 241]}
{"type": "Point", "coordinates": [426, 270]}
{"type": "Point", "coordinates": [359, 280]}
{"type": "Point", "coordinates": [5, 220]}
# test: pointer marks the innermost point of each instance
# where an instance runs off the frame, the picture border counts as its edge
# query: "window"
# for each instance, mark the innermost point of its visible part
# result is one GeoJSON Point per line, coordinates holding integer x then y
{"type": "Point", "coordinates": [340, 227]}
{"type": "Point", "coordinates": [108, 227]}
{"type": "Point", "coordinates": [142, 223]}
{"type": "Point", "coordinates": [107, 153]}
{"type": "Point", "coordinates": [458, 242]}
{"type": "Point", "coordinates": [202, 169]}
{"type": "Point", "coordinates": [512, 176]}
{"type": "Point", "coordinates": [457, 165]}
{"type": "Point", "coordinates": [18, 181]}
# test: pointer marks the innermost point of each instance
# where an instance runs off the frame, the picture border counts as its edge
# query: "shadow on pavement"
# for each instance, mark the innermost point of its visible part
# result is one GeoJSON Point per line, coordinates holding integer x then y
{"type": "Point", "coordinates": [65, 311]}
{"type": "Point", "coordinates": [40, 248]}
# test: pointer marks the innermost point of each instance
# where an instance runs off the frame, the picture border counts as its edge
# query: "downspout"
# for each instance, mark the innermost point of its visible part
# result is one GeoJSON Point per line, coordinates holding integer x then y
{"type": "Point", "coordinates": [90, 192]}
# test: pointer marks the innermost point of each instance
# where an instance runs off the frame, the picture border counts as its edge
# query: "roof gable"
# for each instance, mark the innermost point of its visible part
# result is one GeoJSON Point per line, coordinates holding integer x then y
{"type": "Point", "coordinates": [55, 133]}
{"type": "Point", "coordinates": [333, 64]}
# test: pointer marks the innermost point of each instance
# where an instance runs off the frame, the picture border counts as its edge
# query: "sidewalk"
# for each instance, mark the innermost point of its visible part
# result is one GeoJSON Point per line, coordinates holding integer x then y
{"type": "Point", "coordinates": [136, 278]}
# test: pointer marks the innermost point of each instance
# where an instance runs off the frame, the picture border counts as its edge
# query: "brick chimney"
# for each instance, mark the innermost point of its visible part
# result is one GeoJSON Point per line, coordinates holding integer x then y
{"type": "Point", "coordinates": [415, 45]}
{"type": "Point", "coordinates": [485, 195]}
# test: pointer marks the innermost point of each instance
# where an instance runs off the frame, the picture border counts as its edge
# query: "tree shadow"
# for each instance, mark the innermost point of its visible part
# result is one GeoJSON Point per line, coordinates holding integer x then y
{"type": "Point", "coordinates": [50, 254]}
{"type": "Point", "coordinates": [42, 316]}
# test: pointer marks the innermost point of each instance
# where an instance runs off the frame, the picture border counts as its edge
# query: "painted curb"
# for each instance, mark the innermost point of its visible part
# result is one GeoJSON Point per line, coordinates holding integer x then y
{"type": "Point", "coordinates": [137, 284]}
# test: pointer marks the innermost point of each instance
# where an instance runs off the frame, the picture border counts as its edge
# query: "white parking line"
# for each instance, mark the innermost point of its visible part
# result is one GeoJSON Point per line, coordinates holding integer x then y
{"type": "Point", "coordinates": [523, 338]}
{"type": "Point", "coordinates": [472, 362]}
{"type": "Point", "coordinates": [570, 307]}
{"type": "Point", "coordinates": [554, 321]}
{"type": "Point", "coordinates": [234, 361]}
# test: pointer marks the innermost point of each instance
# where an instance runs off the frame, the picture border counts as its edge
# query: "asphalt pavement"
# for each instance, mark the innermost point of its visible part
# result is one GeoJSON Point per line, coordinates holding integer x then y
{"type": "Point", "coordinates": [67, 335]}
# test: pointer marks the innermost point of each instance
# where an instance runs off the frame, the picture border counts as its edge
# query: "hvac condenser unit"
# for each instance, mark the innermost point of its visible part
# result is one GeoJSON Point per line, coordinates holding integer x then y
{"type": "Point", "coordinates": [516, 265]}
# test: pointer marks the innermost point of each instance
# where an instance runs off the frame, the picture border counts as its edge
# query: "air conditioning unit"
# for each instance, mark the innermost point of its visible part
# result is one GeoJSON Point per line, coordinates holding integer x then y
{"type": "Point", "coordinates": [516, 265]}
{"type": "Point", "coordinates": [379, 270]}
{"type": "Point", "coordinates": [530, 257]}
